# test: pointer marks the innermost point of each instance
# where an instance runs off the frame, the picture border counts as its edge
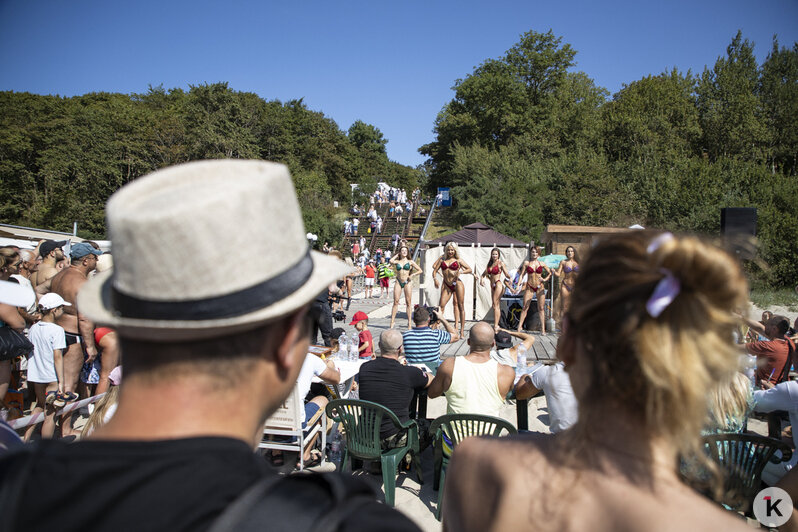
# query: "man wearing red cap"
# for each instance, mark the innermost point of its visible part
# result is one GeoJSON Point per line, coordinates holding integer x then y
{"type": "Point", "coordinates": [365, 341]}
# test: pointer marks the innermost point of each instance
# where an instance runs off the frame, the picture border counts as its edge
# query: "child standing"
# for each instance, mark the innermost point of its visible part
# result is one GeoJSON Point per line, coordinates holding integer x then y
{"type": "Point", "coordinates": [371, 275]}
{"type": "Point", "coordinates": [383, 275]}
{"type": "Point", "coordinates": [46, 366]}
{"type": "Point", "coordinates": [365, 342]}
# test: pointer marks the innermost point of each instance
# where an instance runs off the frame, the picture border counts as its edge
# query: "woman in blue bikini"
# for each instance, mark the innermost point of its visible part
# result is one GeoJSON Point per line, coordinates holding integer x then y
{"type": "Point", "coordinates": [568, 270]}
{"type": "Point", "coordinates": [406, 269]}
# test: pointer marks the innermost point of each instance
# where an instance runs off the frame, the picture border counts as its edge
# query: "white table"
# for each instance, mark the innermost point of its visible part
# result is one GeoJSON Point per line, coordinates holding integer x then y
{"type": "Point", "coordinates": [348, 371]}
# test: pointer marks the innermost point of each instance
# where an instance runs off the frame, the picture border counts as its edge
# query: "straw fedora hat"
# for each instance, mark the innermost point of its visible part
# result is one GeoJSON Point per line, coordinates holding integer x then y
{"type": "Point", "coordinates": [175, 234]}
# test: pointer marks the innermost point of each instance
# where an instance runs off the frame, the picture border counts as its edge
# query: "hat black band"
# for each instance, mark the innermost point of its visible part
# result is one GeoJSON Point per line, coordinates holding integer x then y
{"type": "Point", "coordinates": [227, 306]}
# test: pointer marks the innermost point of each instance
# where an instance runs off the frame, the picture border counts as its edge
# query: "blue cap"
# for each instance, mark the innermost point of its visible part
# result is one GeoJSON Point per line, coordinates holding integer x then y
{"type": "Point", "coordinates": [81, 249]}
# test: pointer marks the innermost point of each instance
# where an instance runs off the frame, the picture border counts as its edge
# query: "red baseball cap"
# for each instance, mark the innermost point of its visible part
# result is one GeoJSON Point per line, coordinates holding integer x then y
{"type": "Point", "coordinates": [359, 316]}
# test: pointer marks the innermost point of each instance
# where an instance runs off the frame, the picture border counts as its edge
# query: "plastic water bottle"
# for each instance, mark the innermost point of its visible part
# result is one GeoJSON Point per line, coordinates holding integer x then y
{"type": "Point", "coordinates": [335, 448]}
{"type": "Point", "coordinates": [343, 348]}
{"type": "Point", "coordinates": [749, 368]}
{"type": "Point", "coordinates": [354, 343]}
{"type": "Point", "coordinates": [520, 367]}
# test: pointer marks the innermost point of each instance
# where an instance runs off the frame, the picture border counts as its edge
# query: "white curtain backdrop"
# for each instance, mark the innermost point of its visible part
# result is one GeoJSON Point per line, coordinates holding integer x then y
{"type": "Point", "coordinates": [477, 258]}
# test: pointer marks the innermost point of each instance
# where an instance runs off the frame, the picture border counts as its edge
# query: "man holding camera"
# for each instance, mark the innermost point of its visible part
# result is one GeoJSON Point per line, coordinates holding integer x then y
{"type": "Point", "coordinates": [422, 343]}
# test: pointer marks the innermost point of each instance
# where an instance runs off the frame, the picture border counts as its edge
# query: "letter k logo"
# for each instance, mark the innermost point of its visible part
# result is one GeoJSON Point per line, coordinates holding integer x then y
{"type": "Point", "coordinates": [771, 507]}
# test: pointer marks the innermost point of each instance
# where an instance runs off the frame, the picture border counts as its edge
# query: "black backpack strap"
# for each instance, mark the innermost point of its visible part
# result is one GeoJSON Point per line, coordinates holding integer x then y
{"type": "Point", "coordinates": [14, 471]}
{"type": "Point", "coordinates": [785, 371]}
{"type": "Point", "coordinates": [239, 509]}
{"type": "Point", "coordinates": [315, 502]}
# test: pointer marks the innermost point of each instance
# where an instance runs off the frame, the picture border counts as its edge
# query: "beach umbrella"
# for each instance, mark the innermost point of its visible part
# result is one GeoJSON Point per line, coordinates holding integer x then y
{"type": "Point", "coordinates": [552, 261]}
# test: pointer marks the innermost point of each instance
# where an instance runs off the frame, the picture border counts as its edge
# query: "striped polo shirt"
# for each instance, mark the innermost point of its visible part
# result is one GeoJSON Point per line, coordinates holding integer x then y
{"type": "Point", "coordinates": [422, 345]}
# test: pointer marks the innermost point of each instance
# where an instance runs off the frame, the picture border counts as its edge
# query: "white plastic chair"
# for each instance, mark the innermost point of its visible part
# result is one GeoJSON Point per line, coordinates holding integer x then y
{"type": "Point", "coordinates": [287, 421]}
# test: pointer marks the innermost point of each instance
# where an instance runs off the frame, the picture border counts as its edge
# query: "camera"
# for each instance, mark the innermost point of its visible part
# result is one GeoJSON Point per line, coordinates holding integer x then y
{"type": "Point", "coordinates": [431, 310]}
{"type": "Point", "coordinates": [339, 315]}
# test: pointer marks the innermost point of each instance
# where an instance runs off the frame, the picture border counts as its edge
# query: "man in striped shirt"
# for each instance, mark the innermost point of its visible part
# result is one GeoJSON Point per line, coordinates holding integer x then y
{"type": "Point", "coordinates": [422, 344]}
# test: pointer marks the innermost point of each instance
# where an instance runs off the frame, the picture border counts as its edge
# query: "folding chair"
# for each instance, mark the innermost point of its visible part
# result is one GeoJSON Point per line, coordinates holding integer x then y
{"type": "Point", "coordinates": [286, 423]}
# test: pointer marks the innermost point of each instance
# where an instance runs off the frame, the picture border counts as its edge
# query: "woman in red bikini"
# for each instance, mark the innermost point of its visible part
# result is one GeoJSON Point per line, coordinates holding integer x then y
{"type": "Point", "coordinates": [406, 269]}
{"type": "Point", "coordinates": [493, 272]}
{"type": "Point", "coordinates": [535, 278]}
{"type": "Point", "coordinates": [451, 266]}
{"type": "Point", "coordinates": [568, 270]}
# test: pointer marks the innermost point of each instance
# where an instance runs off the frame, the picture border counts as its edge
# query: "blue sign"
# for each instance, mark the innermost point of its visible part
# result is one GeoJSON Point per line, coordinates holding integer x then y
{"type": "Point", "coordinates": [444, 198]}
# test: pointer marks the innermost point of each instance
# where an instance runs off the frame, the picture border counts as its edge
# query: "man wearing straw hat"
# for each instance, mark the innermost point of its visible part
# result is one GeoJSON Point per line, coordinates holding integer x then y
{"type": "Point", "coordinates": [208, 357]}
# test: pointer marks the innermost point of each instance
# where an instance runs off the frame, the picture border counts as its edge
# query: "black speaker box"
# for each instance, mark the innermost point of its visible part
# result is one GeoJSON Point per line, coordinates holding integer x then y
{"type": "Point", "coordinates": [738, 221]}
{"type": "Point", "coordinates": [738, 227]}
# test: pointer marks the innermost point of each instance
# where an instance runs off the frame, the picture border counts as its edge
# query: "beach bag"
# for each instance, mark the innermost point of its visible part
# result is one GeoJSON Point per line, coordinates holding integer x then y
{"type": "Point", "coordinates": [13, 344]}
{"type": "Point", "coordinates": [318, 502]}
{"type": "Point", "coordinates": [509, 318]}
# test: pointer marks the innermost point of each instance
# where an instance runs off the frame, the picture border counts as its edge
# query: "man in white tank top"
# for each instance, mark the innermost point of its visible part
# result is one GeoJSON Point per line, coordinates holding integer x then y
{"type": "Point", "coordinates": [475, 383]}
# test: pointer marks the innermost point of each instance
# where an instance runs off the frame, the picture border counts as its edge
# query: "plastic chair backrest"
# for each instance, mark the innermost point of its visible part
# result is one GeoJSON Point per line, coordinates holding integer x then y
{"type": "Point", "coordinates": [742, 457]}
{"type": "Point", "coordinates": [286, 417]}
{"type": "Point", "coordinates": [361, 421]}
{"type": "Point", "coordinates": [461, 426]}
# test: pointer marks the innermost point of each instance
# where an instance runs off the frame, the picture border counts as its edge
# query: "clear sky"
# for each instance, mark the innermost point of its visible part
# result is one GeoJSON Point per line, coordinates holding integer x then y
{"type": "Point", "coordinates": [391, 64]}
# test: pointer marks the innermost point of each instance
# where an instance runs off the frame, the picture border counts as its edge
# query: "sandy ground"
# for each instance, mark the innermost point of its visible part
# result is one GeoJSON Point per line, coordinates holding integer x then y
{"type": "Point", "coordinates": [419, 501]}
{"type": "Point", "coordinates": [755, 313]}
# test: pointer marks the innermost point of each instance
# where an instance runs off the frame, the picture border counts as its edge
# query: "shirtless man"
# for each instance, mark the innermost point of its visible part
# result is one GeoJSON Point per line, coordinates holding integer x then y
{"type": "Point", "coordinates": [79, 330]}
{"type": "Point", "coordinates": [51, 252]}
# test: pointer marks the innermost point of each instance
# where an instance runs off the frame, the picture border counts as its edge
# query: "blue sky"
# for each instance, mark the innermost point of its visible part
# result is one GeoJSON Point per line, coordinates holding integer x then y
{"type": "Point", "coordinates": [391, 64]}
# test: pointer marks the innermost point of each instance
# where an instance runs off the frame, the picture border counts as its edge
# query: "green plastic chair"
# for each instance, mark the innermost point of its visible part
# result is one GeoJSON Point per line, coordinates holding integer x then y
{"type": "Point", "coordinates": [361, 421]}
{"type": "Point", "coordinates": [741, 458]}
{"type": "Point", "coordinates": [450, 430]}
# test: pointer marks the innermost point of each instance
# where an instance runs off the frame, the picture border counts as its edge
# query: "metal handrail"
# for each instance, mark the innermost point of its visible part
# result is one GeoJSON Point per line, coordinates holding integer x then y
{"type": "Point", "coordinates": [417, 250]}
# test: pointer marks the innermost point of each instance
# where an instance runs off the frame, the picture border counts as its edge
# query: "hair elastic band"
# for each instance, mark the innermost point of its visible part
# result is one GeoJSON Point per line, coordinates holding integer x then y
{"type": "Point", "coordinates": [664, 293]}
{"type": "Point", "coordinates": [658, 241]}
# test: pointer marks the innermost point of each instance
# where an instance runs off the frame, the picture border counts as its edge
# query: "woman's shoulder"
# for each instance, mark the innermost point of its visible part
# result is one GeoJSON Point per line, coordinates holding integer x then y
{"type": "Point", "coordinates": [534, 470]}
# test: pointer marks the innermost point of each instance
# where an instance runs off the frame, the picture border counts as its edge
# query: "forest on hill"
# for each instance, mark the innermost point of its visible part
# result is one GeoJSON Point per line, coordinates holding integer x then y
{"type": "Point", "coordinates": [527, 141]}
{"type": "Point", "coordinates": [61, 158]}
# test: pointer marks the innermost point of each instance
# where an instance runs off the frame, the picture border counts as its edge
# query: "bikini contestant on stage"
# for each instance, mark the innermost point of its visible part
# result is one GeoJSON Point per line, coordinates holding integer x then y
{"type": "Point", "coordinates": [568, 270]}
{"type": "Point", "coordinates": [406, 269]}
{"type": "Point", "coordinates": [451, 266]}
{"type": "Point", "coordinates": [493, 272]}
{"type": "Point", "coordinates": [534, 285]}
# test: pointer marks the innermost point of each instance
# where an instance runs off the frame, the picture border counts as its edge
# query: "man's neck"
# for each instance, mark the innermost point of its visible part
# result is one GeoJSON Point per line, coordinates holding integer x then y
{"type": "Point", "coordinates": [49, 261]}
{"type": "Point", "coordinates": [81, 269]}
{"type": "Point", "coordinates": [479, 355]}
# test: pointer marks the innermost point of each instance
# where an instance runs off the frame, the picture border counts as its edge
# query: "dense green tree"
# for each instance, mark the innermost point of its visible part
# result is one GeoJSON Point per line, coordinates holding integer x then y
{"type": "Point", "coordinates": [779, 94]}
{"type": "Point", "coordinates": [60, 158]}
{"type": "Point", "coordinates": [730, 111]}
{"type": "Point", "coordinates": [652, 119]}
{"type": "Point", "coordinates": [498, 188]}
{"type": "Point", "coordinates": [503, 99]}
{"type": "Point", "coordinates": [219, 124]}
{"type": "Point", "coordinates": [367, 137]}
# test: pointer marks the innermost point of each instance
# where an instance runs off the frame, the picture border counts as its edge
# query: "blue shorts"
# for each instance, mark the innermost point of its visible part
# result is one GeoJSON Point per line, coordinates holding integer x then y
{"type": "Point", "coordinates": [310, 410]}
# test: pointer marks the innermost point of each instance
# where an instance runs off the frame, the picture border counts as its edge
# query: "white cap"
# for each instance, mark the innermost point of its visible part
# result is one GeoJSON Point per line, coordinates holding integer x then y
{"type": "Point", "coordinates": [52, 300]}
